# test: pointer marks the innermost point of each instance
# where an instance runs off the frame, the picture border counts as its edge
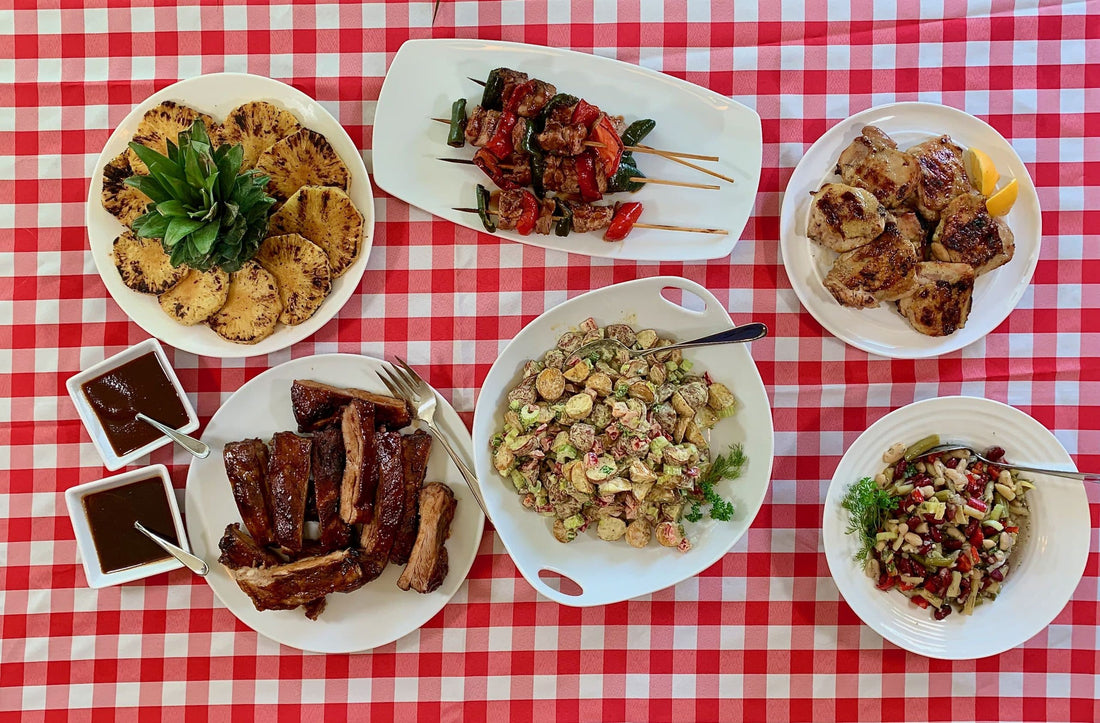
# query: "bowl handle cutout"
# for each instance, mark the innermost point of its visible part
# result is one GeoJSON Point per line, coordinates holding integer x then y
{"type": "Point", "coordinates": [560, 583]}
{"type": "Point", "coordinates": [684, 299]}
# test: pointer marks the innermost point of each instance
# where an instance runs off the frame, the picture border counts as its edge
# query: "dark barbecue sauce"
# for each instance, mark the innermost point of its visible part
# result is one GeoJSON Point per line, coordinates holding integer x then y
{"type": "Point", "coordinates": [139, 385]}
{"type": "Point", "coordinates": [111, 514]}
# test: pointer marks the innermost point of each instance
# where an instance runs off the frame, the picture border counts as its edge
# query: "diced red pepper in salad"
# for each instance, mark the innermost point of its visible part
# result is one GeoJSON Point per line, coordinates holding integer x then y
{"type": "Point", "coordinates": [610, 149]}
{"type": "Point", "coordinates": [585, 113]}
{"type": "Point", "coordinates": [586, 177]}
{"type": "Point", "coordinates": [529, 214]}
{"type": "Point", "coordinates": [500, 145]}
{"type": "Point", "coordinates": [626, 215]}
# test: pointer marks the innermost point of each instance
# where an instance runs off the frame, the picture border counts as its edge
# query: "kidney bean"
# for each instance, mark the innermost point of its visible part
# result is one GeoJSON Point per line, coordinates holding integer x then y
{"type": "Point", "coordinates": [950, 544]}
{"type": "Point", "coordinates": [951, 463]}
{"type": "Point", "coordinates": [935, 533]}
{"type": "Point", "coordinates": [995, 453]}
{"type": "Point", "coordinates": [942, 612]}
{"type": "Point", "coordinates": [998, 575]}
{"type": "Point", "coordinates": [970, 529]}
{"type": "Point", "coordinates": [976, 538]}
{"type": "Point", "coordinates": [925, 548]}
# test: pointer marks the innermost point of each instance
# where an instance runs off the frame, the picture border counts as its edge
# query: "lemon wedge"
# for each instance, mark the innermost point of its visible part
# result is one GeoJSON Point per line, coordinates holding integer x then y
{"type": "Point", "coordinates": [981, 171]}
{"type": "Point", "coordinates": [1000, 203]}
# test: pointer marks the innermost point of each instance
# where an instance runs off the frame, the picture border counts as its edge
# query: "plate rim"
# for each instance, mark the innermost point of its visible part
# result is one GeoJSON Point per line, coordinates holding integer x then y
{"type": "Point", "coordinates": [216, 347]}
{"type": "Point", "coordinates": [948, 344]}
{"type": "Point", "coordinates": [195, 539]}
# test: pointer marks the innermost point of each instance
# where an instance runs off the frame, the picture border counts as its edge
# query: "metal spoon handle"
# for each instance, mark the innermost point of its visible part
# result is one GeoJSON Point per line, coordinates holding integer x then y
{"type": "Point", "coordinates": [1083, 476]}
{"type": "Point", "coordinates": [193, 563]}
{"type": "Point", "coordinates": [736, 335]}
{"type": "Point", "coordinates": [192, 445]}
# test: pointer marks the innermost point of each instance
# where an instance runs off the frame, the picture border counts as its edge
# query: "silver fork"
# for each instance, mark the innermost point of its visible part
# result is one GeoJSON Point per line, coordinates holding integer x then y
{"type": "Point", "coordinates": [403, 381]}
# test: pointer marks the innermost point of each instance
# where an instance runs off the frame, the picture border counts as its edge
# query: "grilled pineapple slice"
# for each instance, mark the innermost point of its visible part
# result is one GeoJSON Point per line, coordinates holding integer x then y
{"type": "Point", "coordinates": [161, 124]}
{"type": "Point", "coordinates": [194, 299]}
{"type": "Point", "coordinates": [302, 271]}
{"type": "Point", "coordinates": [125, 203]}
{"type": "Point", "coordinates": [252, 309]}
{"type": "Point", "coordinates": [301, 159]}
{"type": "Point", "coordinates": [256, 126]}
{"type": "Point", "coordinates": [328, 218]}
{"type": "Point", "coordinates": [143, 264]}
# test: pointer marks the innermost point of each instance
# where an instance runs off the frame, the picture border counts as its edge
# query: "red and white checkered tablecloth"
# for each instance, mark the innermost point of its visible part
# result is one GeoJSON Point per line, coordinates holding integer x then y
{"type": "Point", "coordinates": [763, 634]}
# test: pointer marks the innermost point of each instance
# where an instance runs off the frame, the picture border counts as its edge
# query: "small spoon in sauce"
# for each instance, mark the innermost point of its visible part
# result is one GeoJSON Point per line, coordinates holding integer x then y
{"type": "Point", "coordinates": [191, 562]}
{"type": "Point", "coordinates": [192, 445]}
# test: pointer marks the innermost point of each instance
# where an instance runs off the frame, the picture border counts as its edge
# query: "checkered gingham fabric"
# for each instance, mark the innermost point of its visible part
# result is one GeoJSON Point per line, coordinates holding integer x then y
{"type": "Point", "coordinates": [761, 635]}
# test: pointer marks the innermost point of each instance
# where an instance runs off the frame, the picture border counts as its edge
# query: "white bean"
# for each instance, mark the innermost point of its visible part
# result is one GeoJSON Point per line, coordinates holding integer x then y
{"type": "Point", "coordinates": [880, 480]}
{"type": "Point", "coordinates": [1005, 478]}
{"type": "Point", "coordinates": [961, 466]}
{"type": "Point", "coordinates": [922, 528]}
{"type": "Point", "coordinates": [898, 543]}
{"type": "Point", "coordinates": [1007, 541]}
{"type": "Point", "coordinates": [871, 568]}
{"type": "Point", "coordinates": [956, 477]}
{"type": "Point", "coordinates": [893, 454]}
{"type": "Point", "coordinates": [914, 539]}
{"type": "Point", "coordinates": [1005, 491]}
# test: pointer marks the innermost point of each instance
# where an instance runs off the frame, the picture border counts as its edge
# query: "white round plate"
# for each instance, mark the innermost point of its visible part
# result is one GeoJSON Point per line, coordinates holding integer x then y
{"type": "Point", "coordinates": [1048, 562]}
{"type": "Point", "coordinates": [883, 330]}
{"type": "Point", "coordinates": [377, 613]}
{"type": "Point", "coordinates": [216, 95]}
{"type": "Point", "coordinates": [608, 572]}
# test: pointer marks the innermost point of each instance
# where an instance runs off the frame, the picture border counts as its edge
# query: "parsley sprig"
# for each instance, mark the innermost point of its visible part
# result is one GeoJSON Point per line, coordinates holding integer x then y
{"type": "Point", "coordinates": [725, 466]}
{"type": "Point", "coordinates": [867, 507]}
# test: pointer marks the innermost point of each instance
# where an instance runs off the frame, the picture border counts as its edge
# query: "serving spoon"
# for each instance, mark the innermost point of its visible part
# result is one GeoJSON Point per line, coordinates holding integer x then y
{"type": "Point", "coordinates": [192, 445]}
{"type": "Point", "coordinates": [954, 447]}
{"type": "Point", "coordinates": [192, 562]}
{"type": "Point", "coordinates": [738, 334]}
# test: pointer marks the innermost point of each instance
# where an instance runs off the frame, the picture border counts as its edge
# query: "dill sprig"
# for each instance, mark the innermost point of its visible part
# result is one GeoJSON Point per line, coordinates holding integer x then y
{"type": "Point", "coordinates": [725, 466]}
{"type": "Point", "coordinates": [867, 507]}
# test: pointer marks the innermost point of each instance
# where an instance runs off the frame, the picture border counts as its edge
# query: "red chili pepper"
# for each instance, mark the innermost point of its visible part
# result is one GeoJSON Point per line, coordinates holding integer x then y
{"type": "Point", "coordinates": [904, 586]}
{"type": "Point", "coordinates": [489, 164]}
{"type": "Point", "coordinates": [917, 496]}
{"type": "Point", "coordinates": [585, 113]}
{"type": "Point", "coordinates": [586, 177]}
{"type": "Point", "coordinates": [529, 213]}
{"type": "Point", "coordinates": [626, 215]}
{"type": "Point", "coordinates": [518, 94]}
{"type": "Point", "coordinates": [965, 563]}
{"type": "Point", "coordinates": [1013, 529]}
{"type": "Point", "coordinates": [611, 149]}
{"type": "Point", "coordinates": [977, 504]}
{"type": "Point", "coordinates": [500, 145]}
{"type": "Point", "coordinates": [919, 602]}
{"type": "Point", "coordinates": [974, 554]}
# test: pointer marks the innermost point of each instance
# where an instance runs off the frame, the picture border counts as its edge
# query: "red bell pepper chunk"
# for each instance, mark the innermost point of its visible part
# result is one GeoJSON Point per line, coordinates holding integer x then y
{"type": "Point", "coordinates": [500, 145]}
{"type": "Point", "coordinates": [611, 149]}
{"type": "Point", "coordinates": [585, 113]}
{"type": "Point", "coordinates": [529, 213]}
{"type": "Point", "coordinates": [518, 94]}
{"type": "Point", "coordinates": [586, 177]}
{"type": "Point", "coordinates": [489, 164]}
{"type": "Point", "coordinates": [919, 601]}
{"type": "Point", "coordinates": [965, 563]}
{"type": "Point", "coordinates": [626, 215]}
{"type": "Point", "coordinates": [886, 582]}
{"type": "Point", "coordinates": [1012, 528]}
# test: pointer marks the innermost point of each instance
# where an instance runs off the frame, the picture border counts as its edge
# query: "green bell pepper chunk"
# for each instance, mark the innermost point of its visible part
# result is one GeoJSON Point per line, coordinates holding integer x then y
{"type": "Point", "coordinates": [627, 170]}
{"type": "Point", "coordinates": [494, 86]}
{"type": "Point", "coordinates": [637, 131]}
{"type": "Point", "coordinates": [483, 209]}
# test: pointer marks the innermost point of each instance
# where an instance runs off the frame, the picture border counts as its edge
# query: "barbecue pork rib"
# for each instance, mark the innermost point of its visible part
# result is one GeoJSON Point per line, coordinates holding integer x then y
{"type": "Point", "coordinates": [240, 550]}
{"type": "Point", "coordinates": [415, 448]}
{"type": "Point", "coordinates": [389, 506]}
{"type": "Point", "coordinates": [318, 405]}
{"type": "Point", "coordinates": [246, 468]}
{"type": "Point", "coordinates": [288, 480]}
{"type": "Point", "coordinates": [328, 474]}
{"type": "Point", "coordinates": [285, 587]}
{"type": "Point", "coordinates": [428, 562]}
{"type": "Point", "coordinates": [360, 478]}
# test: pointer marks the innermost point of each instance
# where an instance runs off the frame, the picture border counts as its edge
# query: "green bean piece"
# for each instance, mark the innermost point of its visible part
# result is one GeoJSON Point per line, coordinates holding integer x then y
{"type": "Point", "coordinates": [919, 448]}
{"type": "Point", "coordinates": [483, 209]}
{"type": "Point", "coordinates": [457, 137]}
{"type": "Point", "coordinates": [637, 131]}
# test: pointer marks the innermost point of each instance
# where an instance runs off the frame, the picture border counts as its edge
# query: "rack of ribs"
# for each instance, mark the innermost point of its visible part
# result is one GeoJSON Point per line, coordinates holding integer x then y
{"type": "Point", "coordinates": [360, 478]}
{"type": "Point", "coordinates": [240, 550]}
{"type": "Point", "coordinates": [328, 474]}
{"type": "Point", "coordinates": [415, 449]}
{"type": "Point", "coordinates": [288, 479]}
{"type": "Point", "coordinates": [287, 586]}
{"type": "Point", "coordinates": [246, 467]}
{"type": "Point", "coordinates": [389, 506]}
{"type": "Point", "coordinates": [428, 562]}
{"type": "Point", "coordinates": [318, 405]}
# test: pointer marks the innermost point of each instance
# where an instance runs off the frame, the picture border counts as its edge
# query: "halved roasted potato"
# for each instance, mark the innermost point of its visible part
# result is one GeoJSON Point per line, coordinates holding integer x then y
{"type": "Point", "coordinates": [252, 310]}
{"type": "Point", "coordinates": [125, 203]}
{"type": "Point", "coordinates": [143, 264]}
{"type": "Point", "coordinates": [161, 124]}
{"type": "Point", "coordinates": [301, 159]}
{"type": "Point", "coordinates": [302, 271]}
{"type": "Point", "coordinates": [327, 217]}
{"type": "Point", "coordinates": [256, 126]}
{"type": "Point", "coordinates": [194, 299]}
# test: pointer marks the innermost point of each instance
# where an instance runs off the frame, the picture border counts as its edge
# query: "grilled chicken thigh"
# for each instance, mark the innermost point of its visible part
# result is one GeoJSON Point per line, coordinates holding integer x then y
{"type": "Point", "coordinates": [873, 162]}
{"type": "Point", "coordinates": [942, 175]}
{"type": "Point", "coordinates": [941, 303]}
{"type": "Point", "coordinates": [843, 218]}
{"type": "Point", "coordinates": [883, 270]}
{"type": "Point", "coordinates": [911, 229]}
{"type": "Point", "coordinates": [968, 234]}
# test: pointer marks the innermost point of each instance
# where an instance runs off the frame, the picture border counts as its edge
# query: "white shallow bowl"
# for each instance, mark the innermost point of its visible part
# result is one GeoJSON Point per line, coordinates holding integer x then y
{"type": "Point", "coordinates": [883, 330]}
{"type": "Point", "coordinates": [217, 94]}
{"type": "Point", "coordinates": [609, 572]}
{"type": "Point", "coordinates": [427, 76]}
{"type": "Point", "coordinates": [377, 613]}
{"type": "Point", "coordinates": [1046, 567]}
{"type": "Point", "coordinates": [111, 459]}
{"type": "Point", "coordinates": [74, 500]}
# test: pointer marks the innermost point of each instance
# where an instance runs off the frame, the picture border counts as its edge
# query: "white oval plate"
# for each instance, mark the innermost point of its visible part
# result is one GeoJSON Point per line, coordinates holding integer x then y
{"type": "Point", "coordinates": [883, 330]}
{"type": "Point", "coordinates": [609, 572]}
{"type": "Point", "coordinates": [1046, 568]}
{"type": "Point", "coordinates": [426, 76]}
{"type": "Point", "coordinates": [379, 612]}
{"type": "Point", "coordinates": [216, 95]}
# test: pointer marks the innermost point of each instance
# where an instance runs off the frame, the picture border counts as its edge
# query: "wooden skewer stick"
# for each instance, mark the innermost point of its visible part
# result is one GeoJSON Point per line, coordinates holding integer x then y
{"type": "Point", "coordinates": [634, 179]}
{"type": "Point", "coordinates": [682, 162]}
{"type": "Point", "coordinates": [657, 226]}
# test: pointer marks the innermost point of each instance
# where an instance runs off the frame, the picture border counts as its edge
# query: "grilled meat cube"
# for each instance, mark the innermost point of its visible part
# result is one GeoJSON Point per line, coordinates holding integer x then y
{"type": "Point", "coordinates": [519, 172]}
{"type": "Point", "coordinates": [481, 126]}
{"type": "Point", "coordinates": [328, 475]}
{"type": "Point", "coordinates": [560, 175]}
{"type": "Point", "coordinates": [428, 563]}
{"type": "Point", "coordinates": [389, 506]}
{"type": "Point", "coordinates": [545, 222]}
{"type": "Point", "coordinates": [942, 175]}
{"type": "Point", "coordinates": [240, 550]}
{"type": "Point", "coordinates": [318, 405]}
{"type": "Point", "coordinates": [360, 479]}
{"type": "Point", "coordinates": [246, 467]}
{"type": "Point", "coordinates": [587, 217]}
{"type": "Point", "coordinates": [941, 303]}
{"type": "Point", "coordinates": [534, 101]}
{"type": "Point", "coordinates": [563, 140]}
{"type": "Point", "coordinates": [510, 79]}
{"type": "Point", "coordinates": [288, 479]}
{"type": "Point", "coordinates": [414, 451]}
{"type": "Point", "coordinates": [967, 234]}
{"type": "Point", "coordinates": [561, 115]}
{"type": "Point", "coordinates": [883, 270]}
{"type": "Point", "coordinates": [873, 162]}
{"type": "Point", "coordinates": [843, 217]}
{"type": "Point", "coordinates": [286, 586]}
{"type": "Point", "coordinates": [509, 208]}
